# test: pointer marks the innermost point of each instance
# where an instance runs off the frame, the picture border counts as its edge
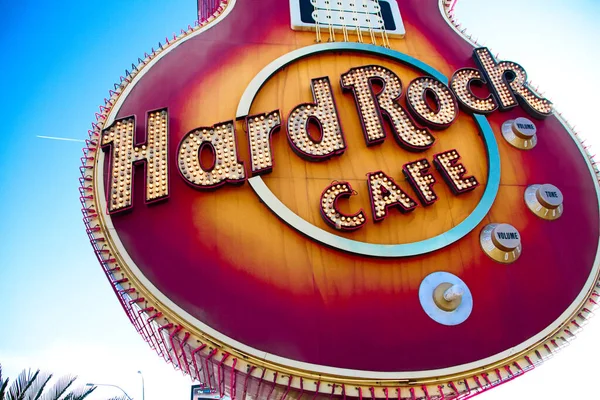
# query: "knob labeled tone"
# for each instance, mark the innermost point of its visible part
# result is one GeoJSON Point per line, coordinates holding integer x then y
{"type": "Point", "coordinates": [545, 201]}
{"type": "Point", "coordinates": [502, 242]}
{"type": "Point", "coordinates": [520, 133]}
{"type": "Point", "coordinates": [445, 298]}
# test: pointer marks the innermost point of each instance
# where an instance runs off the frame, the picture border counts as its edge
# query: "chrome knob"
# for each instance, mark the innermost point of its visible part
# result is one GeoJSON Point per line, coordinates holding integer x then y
{"type": "Point", "coordinates": [520, 133]}
{"type": "Point", "coordinates": [502, 242]}
{"type": "Point", "coordinates": [545, 201]}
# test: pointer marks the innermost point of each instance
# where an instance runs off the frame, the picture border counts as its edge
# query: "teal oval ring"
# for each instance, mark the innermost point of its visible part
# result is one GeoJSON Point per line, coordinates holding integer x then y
{"type": "Point", "coordinates": [354, 246]}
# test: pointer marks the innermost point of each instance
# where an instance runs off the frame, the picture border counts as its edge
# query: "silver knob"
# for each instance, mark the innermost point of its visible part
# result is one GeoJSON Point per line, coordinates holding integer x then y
{"type": "Point", "coordinates": [545, 201]}
{"type": "Point", "coordinates": [502, 242]}
{"type": "Point", "coordinates": [520, 133]}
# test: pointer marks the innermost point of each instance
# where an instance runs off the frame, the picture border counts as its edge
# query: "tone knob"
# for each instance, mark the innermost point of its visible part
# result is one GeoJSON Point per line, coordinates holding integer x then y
{"type": "Point", "coordinates": [520, 133]}
{"type": "Point", "coordinates": [502, 242]}
{"type": "Point", "coordinates": [545, 201]}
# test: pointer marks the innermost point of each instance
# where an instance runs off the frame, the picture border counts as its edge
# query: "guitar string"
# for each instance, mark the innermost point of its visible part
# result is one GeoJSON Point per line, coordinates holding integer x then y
{"type": "Point", "coordinates": [384, 35]}
{"type": "Point", "coordinates": [331, 31]}
{"type": "Point", "coordinates": [315, 16]}
{"type": "Point", "coordinates": [355, 12]}
{"type": "Point", "coordinates": [371, 33]}
{"type": "Point", "coordinates": [343, 18]}
{"type": "Point", "coordinates": [356, 22]}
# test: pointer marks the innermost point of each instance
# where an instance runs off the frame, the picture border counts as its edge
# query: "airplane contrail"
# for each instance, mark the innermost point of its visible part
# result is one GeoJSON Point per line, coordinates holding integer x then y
{"type": "Point", "coordinates": [60, 138]}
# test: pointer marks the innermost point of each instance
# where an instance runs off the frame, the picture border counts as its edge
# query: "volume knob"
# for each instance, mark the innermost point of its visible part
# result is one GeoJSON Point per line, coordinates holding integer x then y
{"type": "Point", "coordinates": [502, 242]}
{"type": "Point", "coordinates": [520, 133]}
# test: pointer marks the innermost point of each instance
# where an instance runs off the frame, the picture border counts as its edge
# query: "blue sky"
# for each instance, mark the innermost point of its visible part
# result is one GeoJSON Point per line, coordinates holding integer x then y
{"type": "Point", "coordinates": [61, 58]}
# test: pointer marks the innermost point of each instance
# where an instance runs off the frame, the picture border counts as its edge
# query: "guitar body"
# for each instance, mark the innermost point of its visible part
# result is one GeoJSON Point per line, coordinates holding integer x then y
{"type": "Point", "coordinates": [224, 284]}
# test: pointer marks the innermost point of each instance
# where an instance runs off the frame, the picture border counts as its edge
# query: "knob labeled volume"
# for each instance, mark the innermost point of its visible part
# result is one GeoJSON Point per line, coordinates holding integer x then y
{"type": "Point", "coordinates": [502, 242]}
{"type": "Point", "coordinates": [520, 133]}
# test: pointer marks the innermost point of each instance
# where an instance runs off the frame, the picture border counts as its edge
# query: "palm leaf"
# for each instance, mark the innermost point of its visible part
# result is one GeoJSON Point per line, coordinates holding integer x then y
{"type": "Point", "coordinates": [87, 392]}
{"type": "Point", "coordinates": [3, 385]}
{"type": "Point", "coordinates": [18, 388]}
{"type": "Point", "coordinates": [79, 393]}
{"type": "Point", "coordinates": [59, 388]}
{"type": "Point", "coordinates": [37, 388]}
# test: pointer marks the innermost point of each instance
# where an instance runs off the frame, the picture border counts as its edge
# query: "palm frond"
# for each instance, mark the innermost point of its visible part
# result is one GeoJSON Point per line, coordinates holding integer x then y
{"type": "Point", "coordinates": [87, 392]}
{"type": "Point", "coordinates": [3, 385]}
{"type": "Point", "coordinates": [18, 388]}
{"type": "Point", "coordinates": [59, 388]}
{"type": "Point", "coordinates": [80, 393]}
{"type": "Point", "coordinates": [37, 388]}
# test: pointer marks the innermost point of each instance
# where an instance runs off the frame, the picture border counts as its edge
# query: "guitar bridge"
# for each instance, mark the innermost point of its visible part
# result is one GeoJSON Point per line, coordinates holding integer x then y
{"type": "Point", "coordinates": [366, 16]}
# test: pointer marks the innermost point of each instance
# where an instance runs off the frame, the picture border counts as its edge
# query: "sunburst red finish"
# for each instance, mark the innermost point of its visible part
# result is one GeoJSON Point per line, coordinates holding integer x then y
{"type": "Point", "coordinates": [227, 260]}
